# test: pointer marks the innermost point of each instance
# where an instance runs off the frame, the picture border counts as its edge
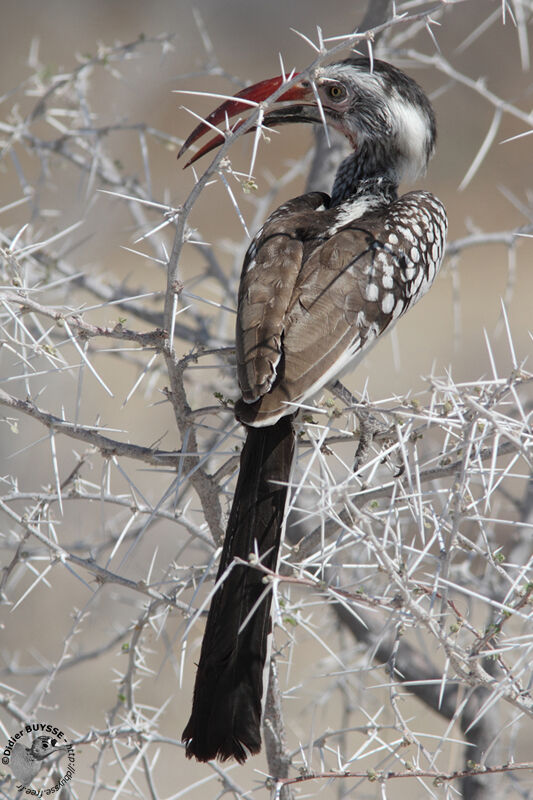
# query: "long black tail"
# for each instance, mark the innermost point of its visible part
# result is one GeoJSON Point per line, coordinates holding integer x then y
{"type": "Point", "coordinates": [226, 713]}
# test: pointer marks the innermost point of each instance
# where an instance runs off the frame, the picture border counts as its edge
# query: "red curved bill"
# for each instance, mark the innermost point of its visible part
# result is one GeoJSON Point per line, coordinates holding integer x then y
{"type": "Point", "coordinates": [243, 101]}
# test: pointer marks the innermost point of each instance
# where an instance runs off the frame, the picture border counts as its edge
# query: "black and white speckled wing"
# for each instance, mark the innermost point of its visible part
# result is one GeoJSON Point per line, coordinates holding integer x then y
{"type": "Point", "coordinates": [357, 276]}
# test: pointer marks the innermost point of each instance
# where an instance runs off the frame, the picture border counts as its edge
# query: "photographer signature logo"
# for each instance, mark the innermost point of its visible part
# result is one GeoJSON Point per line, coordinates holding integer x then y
{"type": "Point", "coordinates": [25, 762]}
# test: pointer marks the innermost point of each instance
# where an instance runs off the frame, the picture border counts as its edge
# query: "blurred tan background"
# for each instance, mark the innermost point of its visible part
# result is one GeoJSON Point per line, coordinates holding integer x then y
{"type": "Point", "coordinates": [444, 332]}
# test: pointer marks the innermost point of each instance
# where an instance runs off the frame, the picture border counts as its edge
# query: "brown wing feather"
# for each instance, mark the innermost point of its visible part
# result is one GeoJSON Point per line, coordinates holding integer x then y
{"type": "Point", "coordinates": [348, 290]}
{"type": "Point", "coordinates": [270, 271]}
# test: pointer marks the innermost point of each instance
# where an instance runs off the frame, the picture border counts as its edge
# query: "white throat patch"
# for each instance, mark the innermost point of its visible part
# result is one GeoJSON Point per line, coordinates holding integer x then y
{"type": "Point", "coordinates": [412, 131]}
{"type": "Point", "coordinates": [353, 209]}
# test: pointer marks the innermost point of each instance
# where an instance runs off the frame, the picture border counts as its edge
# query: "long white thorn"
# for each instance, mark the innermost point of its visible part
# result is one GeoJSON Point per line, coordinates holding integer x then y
{"type": "Point", "coordinates": [85, 358]}
{"type": "Point", "coordinates": [518, 136]}
{"type": "Point", "coordinates": [306, 39]}
{"type": "Point", "coordinates": [40, 577]}
{"type": "Point", "coordinates": [321, 111]}
{"type": "Point", "coordinates": [31, 248]}
{"type": "Point", "coordinates": [509, 336]}
{"type": "Point", "coordinates": [257, 136]}
{"type": "Point", "coordinates": [139, 379]}
{"type": "Point", "coordinates": [483, 150]}
{"type": "Point", "coordinates": [323, 48]}
{"type": "Point", "coordinates": [163, 206]}
{"type": "Point", "coordinates": [246, 102]}
{"type": "Point", "coordinates": [281, 65]}
{"type": "Point", "coordinates": [234, 203]}
{"type": "Point", "coordinates": [199, 117]}
{"type": "Point", "coordinates": [56, 470]}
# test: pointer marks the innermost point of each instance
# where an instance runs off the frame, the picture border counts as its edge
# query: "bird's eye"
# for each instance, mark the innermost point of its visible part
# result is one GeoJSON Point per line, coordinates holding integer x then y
{"type": "Point", "coordinates": [336, 92]}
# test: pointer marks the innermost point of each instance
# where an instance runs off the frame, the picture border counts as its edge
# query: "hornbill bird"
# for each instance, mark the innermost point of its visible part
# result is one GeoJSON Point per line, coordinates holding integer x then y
{"type": "Point", "coordinates": [322, 279]}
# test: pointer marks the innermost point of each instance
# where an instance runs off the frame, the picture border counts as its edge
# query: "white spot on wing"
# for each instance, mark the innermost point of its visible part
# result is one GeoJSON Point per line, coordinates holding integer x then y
{"type": "Point", "coordinates": [387, 304]}
{"type": "Point", "coordinates": [398, 308]}
{"type": "Point", "coordinates": [372, 292]}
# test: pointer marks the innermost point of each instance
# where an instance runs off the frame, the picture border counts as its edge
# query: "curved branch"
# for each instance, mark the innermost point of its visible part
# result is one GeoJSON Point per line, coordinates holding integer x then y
{"type": "Point", "coordinates": [108, 447]}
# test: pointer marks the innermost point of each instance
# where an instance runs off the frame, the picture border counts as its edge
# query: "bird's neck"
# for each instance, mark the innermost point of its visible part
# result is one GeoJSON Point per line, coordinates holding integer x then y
{"type": "Point", "coordinates": [362, 175]}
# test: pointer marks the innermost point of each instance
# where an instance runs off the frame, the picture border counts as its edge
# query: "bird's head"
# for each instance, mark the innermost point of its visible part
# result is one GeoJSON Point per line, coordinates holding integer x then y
{"type": "Point", "coordinates": [43, 746]}
{"type": "Point", "coordinates": [380, 110]}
